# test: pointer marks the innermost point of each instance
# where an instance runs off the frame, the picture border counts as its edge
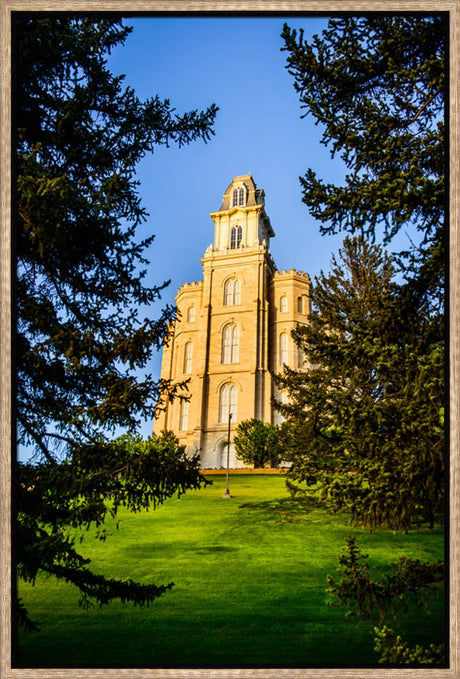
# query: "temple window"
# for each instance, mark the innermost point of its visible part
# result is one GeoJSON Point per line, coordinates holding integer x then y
{"type": "Point", "coordinates": [236, 235]}
{"type": "Point", "coordinates": [283, 348]}
{"type": "Point", "coordinates": [238, 196]}
{"type": "Point", "coordinates": [227, 402]}
{"type": "Point", "coordinates": [184, 408]}
{"type": "Point", "coordinates": [230, 344]}
{"type": "Point", "coordinates": [232, 292]}
{"type": "Point", "coordinates": [188, 358]}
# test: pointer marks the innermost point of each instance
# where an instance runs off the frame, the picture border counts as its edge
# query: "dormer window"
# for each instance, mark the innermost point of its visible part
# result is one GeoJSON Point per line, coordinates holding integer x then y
{"type": "Point", "coordinates": [238, 196]}
{"type": "Point", "coordinates": [236, 235]}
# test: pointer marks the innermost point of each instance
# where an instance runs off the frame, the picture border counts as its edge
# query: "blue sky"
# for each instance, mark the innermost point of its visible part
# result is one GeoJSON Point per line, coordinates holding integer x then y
{"type": "Point", "coordinates": [238, 64]}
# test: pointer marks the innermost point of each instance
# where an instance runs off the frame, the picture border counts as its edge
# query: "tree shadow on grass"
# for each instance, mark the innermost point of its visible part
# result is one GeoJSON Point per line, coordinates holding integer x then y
{"type": "Point", "coordinates": [288, 510]}
{"type": "Point", "coordinates": [147, 550]}
{"type": "Point", "coordinates": [211, 549]}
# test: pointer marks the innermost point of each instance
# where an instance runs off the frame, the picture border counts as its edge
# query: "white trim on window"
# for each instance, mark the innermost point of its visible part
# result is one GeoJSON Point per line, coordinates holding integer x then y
{"type": "Point", "coordinates": [188, 358]}
{"type": "Point", "coordinates": [238, 196]}
{"type": "Point", "coordinates": [230, 344]}
{"type": "Point", "coordinates": [283, 348]}
{"type": "Point", "coordinates": [236, 235]}
{"type": "Point", "coordinates": [228, 401]}
{"type": "Point", "coordinates": [232, 292]}
{"type": "Point", "coordinates": [184, 410]}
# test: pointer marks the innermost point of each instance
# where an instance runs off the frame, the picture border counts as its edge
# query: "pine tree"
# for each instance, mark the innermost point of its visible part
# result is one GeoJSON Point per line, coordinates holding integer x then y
{"type": "Point", "coordinates": [82, 343]}
{"type": "Point", "coordinates": [410, 583]}
{"type": "Point", "coordinates": [366, 426]}
{"type": "Point", "coordinates": [365, 422]}
{"type": "Point", "coordinates": [376, 85]}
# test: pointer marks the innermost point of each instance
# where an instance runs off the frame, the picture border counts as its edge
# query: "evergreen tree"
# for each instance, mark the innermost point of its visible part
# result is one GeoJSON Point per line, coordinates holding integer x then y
{"type": "Point", "coordinates": [409, 583]}
{"type": "Point", "coordinates": [257, 443]}
{"type": "Point", "coordinates": [365, 422]}
{"type": "Point", "coordinates": [82, 343]}
{"type": "Point", "coordinates": [376, 85]}
{"type": "Point", "coordinates": [365, 426]}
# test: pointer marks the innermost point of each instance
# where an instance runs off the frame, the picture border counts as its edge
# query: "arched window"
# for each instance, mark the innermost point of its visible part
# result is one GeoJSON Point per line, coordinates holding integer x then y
{"type": "Point", "coordinates": [283, 304]}
{"type": "Point", "coordinates": [238, 196]}
{"type": "Point", "coordinates": [300, 304]}
{"type": "Point", "coordinates": [184, 408]}
{"type": "Point", "coordinates": [232, 292]}
{"type": "Point", "coordinates": [191, 314]}
{"type": "Point", "coordinates": [283, 348]}
{"type": "Point", "coordinates": [188, 358]}
{"type": "Point", "coordinates": [236, 235]}
{"type": "Point", "coordinates": [230, 341]}
{"type": "Point", "coordinates": [227, 402]}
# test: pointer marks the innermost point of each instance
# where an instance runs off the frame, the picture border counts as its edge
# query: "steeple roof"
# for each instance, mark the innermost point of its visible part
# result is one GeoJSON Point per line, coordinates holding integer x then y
{"type": "Point", "coordinates": [254, 197]}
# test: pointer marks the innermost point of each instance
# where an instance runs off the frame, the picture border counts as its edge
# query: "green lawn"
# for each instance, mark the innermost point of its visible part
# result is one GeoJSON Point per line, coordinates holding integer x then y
{"type": "Point", "coordinates": [250, 579]}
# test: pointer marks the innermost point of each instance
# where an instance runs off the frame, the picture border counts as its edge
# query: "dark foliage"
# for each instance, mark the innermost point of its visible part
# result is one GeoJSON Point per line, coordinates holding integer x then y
{"type": "Point", "coordinates": [365, 422]}
{"type": "Point", "coordinates": [369, 416]}
{"type": "Point", "coordinates": [81, 271]}
{"type": "Point", "coordinates": [82, 343]}
{"type": "Point", "coordinates": [377, 87]}
{"type": "Point", "coordinates": [409, 582]}
{"type": "Point", "coordinates": [365, 426]}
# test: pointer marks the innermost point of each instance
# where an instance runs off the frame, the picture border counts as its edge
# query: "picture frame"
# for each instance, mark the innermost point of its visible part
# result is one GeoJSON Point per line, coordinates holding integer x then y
{"type": "Point", "coordinates": [223, 7]}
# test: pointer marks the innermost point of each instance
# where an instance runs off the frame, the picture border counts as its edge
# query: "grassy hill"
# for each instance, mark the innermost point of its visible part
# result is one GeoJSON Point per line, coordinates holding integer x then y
{"type": "Point", "coordinates": [250, 587]}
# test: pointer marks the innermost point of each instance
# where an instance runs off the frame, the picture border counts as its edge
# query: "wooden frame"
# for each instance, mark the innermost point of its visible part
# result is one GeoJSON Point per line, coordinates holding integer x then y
{"type": "Point", "coordinates": [452, 7]}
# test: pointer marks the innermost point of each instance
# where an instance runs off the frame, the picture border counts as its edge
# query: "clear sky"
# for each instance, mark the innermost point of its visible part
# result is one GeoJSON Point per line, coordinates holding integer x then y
{"type": "Point", "coordinates": [236, 63]}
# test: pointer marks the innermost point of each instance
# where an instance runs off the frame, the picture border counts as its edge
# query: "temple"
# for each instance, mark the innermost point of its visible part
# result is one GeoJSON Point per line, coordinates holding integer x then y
{"type": "Point", "coordinates": [233, 331]}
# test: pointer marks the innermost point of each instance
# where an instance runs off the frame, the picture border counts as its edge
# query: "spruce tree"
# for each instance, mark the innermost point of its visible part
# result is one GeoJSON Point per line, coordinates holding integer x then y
{"type": "Point", "coordinates": [365, 422]}
{"type": "Point", "coordinates": [365, 426]}
{"type": "Point", "coordinates": [376, 85]}
{"type": "Point", "coordinates": [84, 328]}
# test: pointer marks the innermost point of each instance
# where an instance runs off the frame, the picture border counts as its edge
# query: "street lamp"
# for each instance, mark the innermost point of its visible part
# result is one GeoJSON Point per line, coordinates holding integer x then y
{"type": "Point", "coordinates": [226, 495]}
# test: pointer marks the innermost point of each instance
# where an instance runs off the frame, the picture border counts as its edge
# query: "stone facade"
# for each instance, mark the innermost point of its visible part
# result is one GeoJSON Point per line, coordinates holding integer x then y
{"type": "Point", "coordinates": [233, 330]}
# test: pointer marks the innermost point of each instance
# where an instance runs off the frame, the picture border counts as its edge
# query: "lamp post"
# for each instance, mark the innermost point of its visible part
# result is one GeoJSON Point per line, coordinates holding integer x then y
{"type": "Point", "coordinates": [226, 495]}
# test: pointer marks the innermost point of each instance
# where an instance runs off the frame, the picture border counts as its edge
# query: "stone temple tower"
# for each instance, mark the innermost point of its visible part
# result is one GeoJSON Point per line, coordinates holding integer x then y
{"type": "Point", "coordinates": [233, 330]}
